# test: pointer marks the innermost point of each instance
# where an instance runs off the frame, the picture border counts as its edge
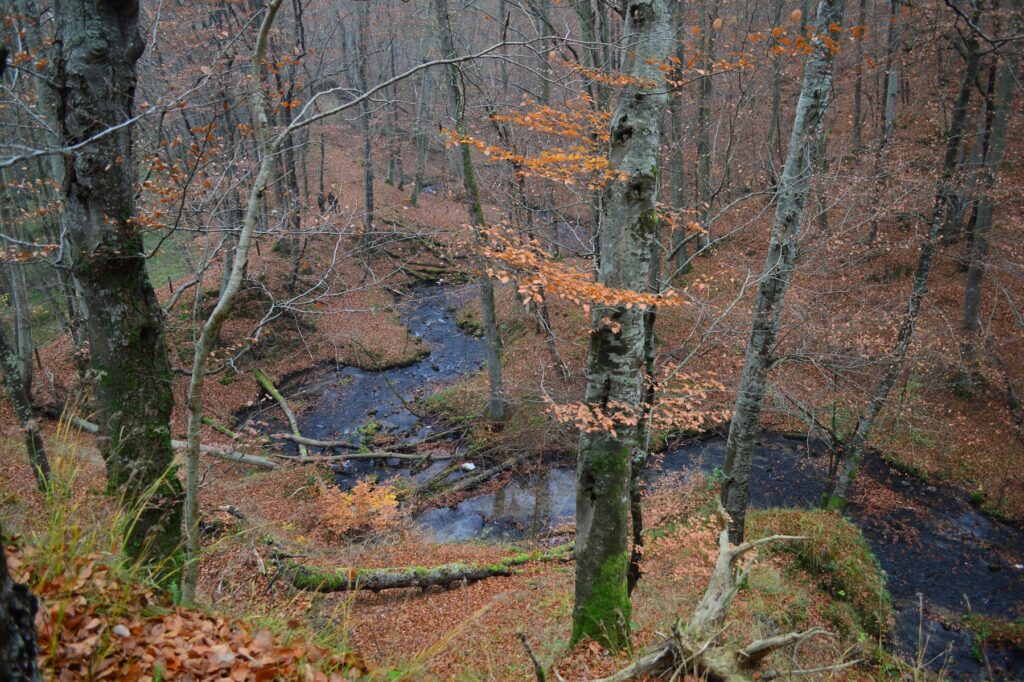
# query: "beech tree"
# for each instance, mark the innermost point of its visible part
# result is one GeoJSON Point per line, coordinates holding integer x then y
{"type": "Point", "coordinates": [98, 47]}
{"type": "Point", "coordinates": [615, 376]}
{"type": "Point", "coordinates": [791, 199]}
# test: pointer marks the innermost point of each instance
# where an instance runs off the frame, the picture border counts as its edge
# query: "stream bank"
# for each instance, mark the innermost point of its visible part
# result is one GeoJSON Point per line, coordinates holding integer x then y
{"type": "Point", "coordinates": [928, 538]}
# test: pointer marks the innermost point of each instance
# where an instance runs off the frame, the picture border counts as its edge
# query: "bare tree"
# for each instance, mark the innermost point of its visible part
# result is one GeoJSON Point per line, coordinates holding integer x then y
{"type": "Point", "coordinates": [794, 186]}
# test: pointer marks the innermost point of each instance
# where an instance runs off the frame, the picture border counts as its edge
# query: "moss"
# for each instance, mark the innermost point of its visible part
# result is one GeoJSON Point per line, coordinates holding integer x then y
{"type": "Point", "coordinates": [605, 614]}
{"type": "Point", "coordinates": [837, 554]}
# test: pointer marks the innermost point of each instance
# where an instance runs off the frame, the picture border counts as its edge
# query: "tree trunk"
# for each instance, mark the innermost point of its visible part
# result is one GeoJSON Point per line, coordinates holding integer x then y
{"type": "Point", "coordinates": [18, 392]}
{"type": "Point", "coordinates": [362, 50]}
{"type": "Point", "coordinates": [211, 328]}
{"type": "Point", "coordinates": [615, 365]}
{"type": "Point", "coordinates": [892, 82]}
{"type": "Point", "coordinates": [421, 134]}
{"type": "Point", "coordinates": [99, 44]}
{"type": "Point", "coordinates": [971, 320]}
{"type": "Point", "coordinates": [794, 186]}
{"type": "Point", "coordinates": [858, 83]}
{"type": "Point", "coordinates": [708, 13]}
{"type": "Point", "coordinates": [18, 651]}
{"type": "Point", "coordinates": [488, 316]}
{"type": "Point", "coordinates": [774, 122]}
{"type": "Point", "coordinates": [317, 579]}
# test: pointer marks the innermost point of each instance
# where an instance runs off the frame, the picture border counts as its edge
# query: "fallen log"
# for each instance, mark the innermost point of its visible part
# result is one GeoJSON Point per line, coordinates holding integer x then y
{"type": "Point", "coordinates": [210, 450]}
{"type": "Point", "coordinates": [316, 579]}
{"type": "Point", "coordinates": [473, 480]}
{"type": "Point", "coordinates": [372, 454]}
{"type": "Point", "coordinates": [267, 384]}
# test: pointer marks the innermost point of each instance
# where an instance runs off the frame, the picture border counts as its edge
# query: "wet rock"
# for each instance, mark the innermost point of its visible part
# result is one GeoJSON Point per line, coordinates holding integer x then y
{"type": "Point", "coordinates": [931, 489]}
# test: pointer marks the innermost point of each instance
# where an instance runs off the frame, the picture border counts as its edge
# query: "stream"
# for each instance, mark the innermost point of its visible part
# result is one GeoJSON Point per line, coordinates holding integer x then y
{"type": "Point", "coordinates": [933, 542]}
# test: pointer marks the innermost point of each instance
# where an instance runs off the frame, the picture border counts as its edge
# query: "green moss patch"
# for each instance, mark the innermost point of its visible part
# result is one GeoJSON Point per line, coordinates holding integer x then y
{"type": "Point", "coordinates": [837, 554]}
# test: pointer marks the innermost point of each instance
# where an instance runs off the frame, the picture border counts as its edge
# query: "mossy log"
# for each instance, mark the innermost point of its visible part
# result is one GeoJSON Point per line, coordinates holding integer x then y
{"type": "Point", "coordinates": [267, 384]}
{"type": "Point", "coordinates": [317, 579]}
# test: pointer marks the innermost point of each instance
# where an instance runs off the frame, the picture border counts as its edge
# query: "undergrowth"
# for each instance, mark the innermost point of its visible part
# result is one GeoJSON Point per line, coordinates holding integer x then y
{"type": "Point", "coordinates": [837, 554]}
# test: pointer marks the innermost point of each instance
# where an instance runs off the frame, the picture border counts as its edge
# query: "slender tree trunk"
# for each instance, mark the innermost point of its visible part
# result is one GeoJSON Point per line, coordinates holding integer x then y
{"type": "Point", "coordinates": [774, 123]}
{"type": "Point", "coordinates": [19, 654]}
{"type": "Point", "coordinates": [396, 175]}
{"type": "Point", "coordinates": [794, 186]}
{"type": "Point", "coordinates": [858, 83]}
{"type": "Point", "coordinates": [488, 316]}
{"type": "Point", "coordinates": [421, 134]}
{"type": "Point", "coordinates": [211, 328]}
{"type": "Point", "coordinates": [971, 319]}
{"type": "Point", "coordinates": [837, 495]}
{"type": "Point", "coordinates": [362, 51]}
{"type": "Point", "coordinates": [678, 260]}
{"type": "Point", "coordinates": [18, 393]}
{"type": "Point", "coordinates": [892, 82]}
{"type": "Point", "coordinates": [99, 45]}
{"type": "Point", "coordinates": [708, 13]}
{"type": "Point", "coordinates": [615, 364]}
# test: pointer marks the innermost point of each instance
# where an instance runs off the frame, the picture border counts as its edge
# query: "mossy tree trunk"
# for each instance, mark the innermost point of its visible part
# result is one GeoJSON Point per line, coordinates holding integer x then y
{"type": "Point", "coordinates": [794, 186]}
{"type": "Point", "coordinates": [488, 315]}
{"type": "Point", "coordinates": [615, 364]}
{"type": "Point", "coordinates": [18, 393]}
{"type": "Point", "coordinates": [98, 46]}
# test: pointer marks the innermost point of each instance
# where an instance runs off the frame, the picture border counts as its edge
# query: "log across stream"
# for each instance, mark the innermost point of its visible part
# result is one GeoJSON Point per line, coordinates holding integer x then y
{"type": "Point", "coordinates": [929, 539]}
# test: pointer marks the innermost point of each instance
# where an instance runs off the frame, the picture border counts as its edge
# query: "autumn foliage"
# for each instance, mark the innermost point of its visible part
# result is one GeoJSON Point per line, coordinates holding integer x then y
{"type": "Point", "coordinates": [367, 508]}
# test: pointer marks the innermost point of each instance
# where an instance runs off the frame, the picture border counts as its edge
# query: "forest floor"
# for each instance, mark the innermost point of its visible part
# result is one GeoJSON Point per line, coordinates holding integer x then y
{"type": "Point", "coordinates": [932, 430]}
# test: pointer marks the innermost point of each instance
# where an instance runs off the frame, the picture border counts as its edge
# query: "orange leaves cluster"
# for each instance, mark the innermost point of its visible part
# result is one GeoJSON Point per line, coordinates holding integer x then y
{"type": "Point", "coordinates": [681, 400]}
{"type": "Point", "coordinates": [92, 626]}
{"type": "Point", "coordinates": [617, 80]}
{"type": "Point", "coordinates": [578, 124]}
{"type": "Point", "coordinates": [595, 418]}
{"type": "Point", "coordinates": [537, 273]}
{"type": "Point", "coordinates": [583, 159]}
{"type": "Point", "coordinates": [368, 507]}
{"type": "Point", "coordinates": [563, 165]}
{"type": "Point", "coordinates": [678, 405]}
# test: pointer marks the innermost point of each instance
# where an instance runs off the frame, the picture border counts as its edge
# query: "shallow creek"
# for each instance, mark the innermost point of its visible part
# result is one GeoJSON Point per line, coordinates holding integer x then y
{"type": "Point", "coordinates": [931, 541]}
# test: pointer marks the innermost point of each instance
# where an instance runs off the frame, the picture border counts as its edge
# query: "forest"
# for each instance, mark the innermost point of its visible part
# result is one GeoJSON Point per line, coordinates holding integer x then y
{"type": "Point", "coordinates": [511, 340]}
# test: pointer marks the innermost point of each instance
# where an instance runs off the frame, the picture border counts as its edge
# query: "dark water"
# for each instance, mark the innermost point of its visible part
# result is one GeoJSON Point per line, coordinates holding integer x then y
{"type": "Point", "coordinates": [933, 542]}
{"type": "Point", "coordinates": [951, 554]}
{"type": "Point", "coordinates": [342, 400]}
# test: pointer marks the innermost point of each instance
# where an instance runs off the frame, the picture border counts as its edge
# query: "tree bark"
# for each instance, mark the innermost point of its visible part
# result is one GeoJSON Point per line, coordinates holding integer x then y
{"type": "Point", "coordinates": [18, 392]}
{"type": "Point", "coordinates": [18, 650]}
{"type": "Point", "coordinates": [362, 65]}
{"type": "Point", "coordinates": [892, 82]}
{"type": "Point", "coordinates": [794, 186]}
{"type": "Point", "coordinates": [1005, 92]}
{"type": "Point", "coordinates": [421, 135]}
{"type": "Point", "coordinates": [615, 364]}
{"type": "Point", "coordinates": [488, 316]}
{"type": "Point", "coordinates": [708, 13]}
{"type": "Point", "coordinates": [99, 44]}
